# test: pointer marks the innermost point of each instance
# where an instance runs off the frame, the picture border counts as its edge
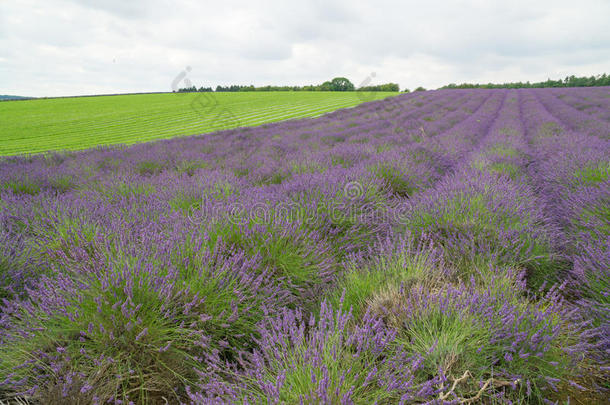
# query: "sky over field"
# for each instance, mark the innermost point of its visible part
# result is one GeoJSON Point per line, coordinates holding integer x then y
{"type": "Point", "coordinates": [74, 47]}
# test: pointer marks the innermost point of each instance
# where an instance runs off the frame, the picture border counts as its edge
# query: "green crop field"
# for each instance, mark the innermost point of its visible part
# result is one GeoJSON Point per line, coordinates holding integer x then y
{"type": "Point", "coordinates": [35, 126]}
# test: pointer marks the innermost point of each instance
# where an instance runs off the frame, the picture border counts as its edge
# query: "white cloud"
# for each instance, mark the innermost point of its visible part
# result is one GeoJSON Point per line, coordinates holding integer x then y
{"type": "Point", "coordinates": [65, 47]}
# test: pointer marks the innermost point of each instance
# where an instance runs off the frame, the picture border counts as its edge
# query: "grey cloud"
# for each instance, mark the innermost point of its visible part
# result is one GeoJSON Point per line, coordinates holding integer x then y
{"type": "Point", "coordinates": [84, 46]}
{"type": "Point", "coordinates": [121, 8]}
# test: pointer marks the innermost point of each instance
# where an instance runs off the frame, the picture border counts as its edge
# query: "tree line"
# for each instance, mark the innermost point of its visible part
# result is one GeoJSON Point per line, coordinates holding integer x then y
{"type": "Point", "coordinates": [569, 81]}
{"type": "Point", "coordinates": [336, 84]}
{"type": "Point", "coordinates": [343, 84]}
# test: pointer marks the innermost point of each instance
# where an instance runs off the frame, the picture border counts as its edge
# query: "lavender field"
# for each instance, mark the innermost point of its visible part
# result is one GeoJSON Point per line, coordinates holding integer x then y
{"type": "Point", "coordinates": [447, 246]}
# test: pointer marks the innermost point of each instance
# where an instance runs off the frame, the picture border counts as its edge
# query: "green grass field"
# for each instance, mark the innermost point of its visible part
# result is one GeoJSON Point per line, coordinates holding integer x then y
{"type": "Point", "coordinates": [35, 126]}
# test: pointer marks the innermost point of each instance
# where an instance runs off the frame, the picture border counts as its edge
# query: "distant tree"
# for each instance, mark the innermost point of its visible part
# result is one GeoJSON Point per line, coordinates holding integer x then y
{"type": "Point", "coordinates": [381, 87]}
{"type": "Point", "coordinates": [390, 87]}
{"type": "Point", "coordinates": [187, 89]}
{"type": "Point", "coordinates": [326, 86]}
{"type": "Point", "coordinates": [420, 89]}
{"type": "Point", "coordinates": [341, 84]}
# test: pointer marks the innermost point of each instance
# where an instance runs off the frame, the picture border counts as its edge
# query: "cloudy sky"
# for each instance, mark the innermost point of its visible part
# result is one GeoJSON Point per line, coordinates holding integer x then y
{"type": "Point", "coordinates": [71, 47]}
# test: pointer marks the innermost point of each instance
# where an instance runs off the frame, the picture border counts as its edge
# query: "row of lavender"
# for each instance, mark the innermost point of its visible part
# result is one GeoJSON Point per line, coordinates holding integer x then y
{"type": "Point", "coordinates": [573, 173]}
{"type": "Point", "coordinates": [584, 105]}
{"type": "Point", "coordinates": [407, 250]}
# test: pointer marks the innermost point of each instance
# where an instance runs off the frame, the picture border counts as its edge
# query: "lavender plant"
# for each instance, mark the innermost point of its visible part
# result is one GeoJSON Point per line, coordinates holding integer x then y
{"type": "Point", "coordinates": [442, 247]}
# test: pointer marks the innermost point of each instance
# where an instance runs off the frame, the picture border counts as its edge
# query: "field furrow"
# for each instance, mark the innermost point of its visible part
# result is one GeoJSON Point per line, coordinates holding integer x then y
{"type": "Point", "coordinates": [35, 126]}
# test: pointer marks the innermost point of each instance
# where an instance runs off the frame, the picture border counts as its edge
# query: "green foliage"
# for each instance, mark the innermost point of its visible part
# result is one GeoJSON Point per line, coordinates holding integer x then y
{"type": "Point", "coordinates": [332, 139]}
{"type": "Point", "coordinates": [385, 274]}
{"type": "Point", "coordinates": [276, 177]}
{"type": "Point", "coordinates": [342, 224]}
{"type": "Point", "coordinates": [29, 186]}
{"type": "Point", "coordinates": [142, 350]}
{"type": "Point", "coordinates": [108, 164]}
{"type": "Point", "coordinates": [120, 190]}
{"type": "Point", "coordinates": [241, 171]}
{"type": "Point", "coordinates": [24, 185]}
{"type": "Point", "coordinates": [122, 353]}
{"type": "Point", "coordinates": [287, 255]}
{"type": "Point", "coordinates": [382, 87]}
{"type": "Point", "coordinates": [359, 140]}
{"type": "Point", "coordinates": [569, 81]}
{"type": "Point", "coordinates": [383, 147]}
{"type": "Point", "coordinates": [337, 84]}
{"type": "Point", "coordinates": [193, 89]}
{"type": "Point", "coordinates": [593, 221]}
{"type": "Point", "coordinates": [221, 190]}
{"type": "Point", "coordinates": [511, 170]}
{"type": "Point", "coordinates": [185, 202]}
{"type": "Point", "coordinates": [340, 161]}
{"type": "Point", "coordinates": [503, 150]}
{"type": "Point", "coordinates": [463, 341]}
{"type": "Point", "coordinates": [221, 291]}
{"type": "Point", "coordinates": [10, 288]}
{"type": "Point", "coordinates": [63, 183]}
{"type": "Point", "coordinates": [307, 166]}
{"type": "Point", "coordinates": [549, 129]}
{"type": "Point", "coordinates": [475, 218]}
{"type": "Point", "coordinates": [149, 167]}
{"type": "Point", "coordinates": [190, 166]}
{"type": "Point", "coordinates": [593, 174]}
{"type": "Point", "coordinates": [68, 237]}
{"type": "Point", "coordinates": [400, 183]}
{"type": "Point", "coordinates": [447, 341]}
{"type": "Point", "coordinates": [188, 202]}
{"type": "Point", "coordinates": [345, 372]}
{"type": "Point", "coordinates": [5, 268]}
